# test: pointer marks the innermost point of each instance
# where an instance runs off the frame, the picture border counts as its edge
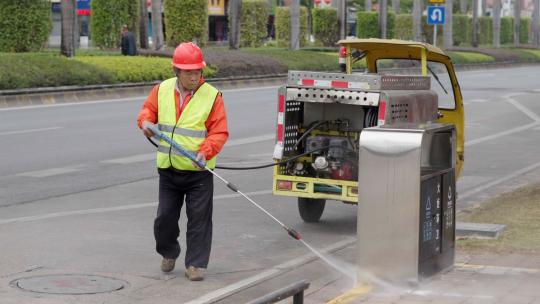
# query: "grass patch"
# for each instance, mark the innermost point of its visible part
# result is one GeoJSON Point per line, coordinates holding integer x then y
{"type": "Point", "coordinates": [535, 53]}
{"type": "Point", "coordinates": [469, 57]}
{"type": "Point", "coordinates": [519, 211]}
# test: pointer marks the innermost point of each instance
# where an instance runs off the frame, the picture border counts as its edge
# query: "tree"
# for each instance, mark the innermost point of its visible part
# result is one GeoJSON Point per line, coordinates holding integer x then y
{"type": "Point", "coordinates": [448, 36]}
{"type": "Point", "coordinates": [535, 23]}
{"type": "Point", "coordinates": [157, 25]}
{"type": "Point", "coordinates": [497, 23]}
{"type": "Point", "coordinates": [463, 6]}
{"type": "Point", "coordinates": [342, 18]}
{"type": "Point", "coordinates": [517, 21]}
{"type": "Point", "coordinates": [294, 38]}
{"type": "Point", "coordinates": [474, 40]}
{"type": "Point", "coordinates": [383, 17]}
{"type": "Point", "coordinates": [367, 5]}
{"type": "Point", "coordinates": [396, 6]}
{"type": "Point", "coordinates": [417, 20]}
{"type": "Point", "coordinates": [69, 19]}
{"type": "Point", "coordinates": [234, 21]}
{"type": "Point", "coordinates": [143, 25]}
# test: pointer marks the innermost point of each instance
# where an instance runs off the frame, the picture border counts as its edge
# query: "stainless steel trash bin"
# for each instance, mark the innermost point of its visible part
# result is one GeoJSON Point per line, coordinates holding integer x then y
{"type": "Point", "coordinates": [406, 209]}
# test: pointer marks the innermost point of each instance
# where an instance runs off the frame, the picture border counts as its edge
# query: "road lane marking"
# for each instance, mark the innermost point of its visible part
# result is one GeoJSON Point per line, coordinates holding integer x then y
{"type": "Point", "coordinates": [78, 103]}
{"type": "Point", "coordinates": [499, 181]}
{"type": "Point", "coordinates": [51, 172]}
{"type": "Point", "coordinates": [29, 131]}
{"type": "Point", "coordinates": [150, 156]}
{"type": "Point", "coordinates": [111, 209]}
{"type": "Point", "coordinates": [229, 290]}
{"type": "Point", "coordinates": [477, 100]}
{"type": "Point", "coordinates": [522, 109]}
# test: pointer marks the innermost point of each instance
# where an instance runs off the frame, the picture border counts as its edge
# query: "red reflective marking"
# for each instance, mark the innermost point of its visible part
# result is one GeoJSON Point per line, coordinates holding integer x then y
{"type": "Point", "coordinates": [280, 132]}
{"type": "Point", "coordinates": [382, 109]}
{"type": "Point", "coordinates": [281, 103]}
{"type": "Point", "coordinates": [308, 82]}
{"type": "Point", "coordinates": [340, 84]}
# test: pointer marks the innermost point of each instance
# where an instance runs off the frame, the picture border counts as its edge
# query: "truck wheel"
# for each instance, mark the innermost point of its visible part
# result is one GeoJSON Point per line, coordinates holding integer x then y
{"type": "Point", "coordinates": [311, 209]}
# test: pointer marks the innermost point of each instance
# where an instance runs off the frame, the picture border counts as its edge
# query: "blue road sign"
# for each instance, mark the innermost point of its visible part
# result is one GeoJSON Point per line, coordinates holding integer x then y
{"type": "Point", "coordinates": [435, 15]}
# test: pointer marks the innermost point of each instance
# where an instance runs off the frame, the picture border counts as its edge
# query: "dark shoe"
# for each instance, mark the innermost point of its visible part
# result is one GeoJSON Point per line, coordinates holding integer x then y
{"type": "Point", "coordinates": [167, 265]}
{"type": "Point", "coordinates": [194, 273]}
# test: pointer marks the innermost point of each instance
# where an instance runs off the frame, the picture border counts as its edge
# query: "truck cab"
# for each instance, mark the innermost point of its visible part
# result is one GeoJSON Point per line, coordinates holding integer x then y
{"type": "Point", "coordinates": [320, 115]}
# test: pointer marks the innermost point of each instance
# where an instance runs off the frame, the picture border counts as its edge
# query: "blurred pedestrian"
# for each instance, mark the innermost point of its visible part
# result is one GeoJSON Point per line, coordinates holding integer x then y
{"type": "Point", "coordinates": [129, 44]}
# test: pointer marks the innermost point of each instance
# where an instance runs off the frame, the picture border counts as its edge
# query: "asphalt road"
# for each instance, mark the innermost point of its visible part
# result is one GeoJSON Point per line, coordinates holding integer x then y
{"type": "Point", "coordinates": [78, 183]}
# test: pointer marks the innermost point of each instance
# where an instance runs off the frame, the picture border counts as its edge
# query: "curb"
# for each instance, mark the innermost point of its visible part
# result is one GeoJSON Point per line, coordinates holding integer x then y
{"type": "Point", "coordinates": [69, 94]}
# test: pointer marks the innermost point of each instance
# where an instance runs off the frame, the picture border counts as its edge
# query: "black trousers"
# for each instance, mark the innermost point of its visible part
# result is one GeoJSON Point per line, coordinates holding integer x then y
{"type": "Point", "coordinates": [197, 188]}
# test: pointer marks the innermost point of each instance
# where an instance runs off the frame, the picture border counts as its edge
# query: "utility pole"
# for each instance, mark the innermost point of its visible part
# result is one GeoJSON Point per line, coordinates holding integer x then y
{"type": "Point", "coordinates": [367, 5]}
{"type": "Point", "coordinates": [294, 33]}
{"type": "Point", "coordinates": [69, 19]}
{"type": "Point", "coordinates": [396, 6]}
{"type": "Point", "coordinates": [234, 19]}
{"type": "Point", "coordinates": [383, 11]}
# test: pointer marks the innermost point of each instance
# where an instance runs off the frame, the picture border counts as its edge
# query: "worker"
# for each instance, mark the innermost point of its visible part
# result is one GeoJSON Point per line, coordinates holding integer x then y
{"type": "Point", "coordinates": [190, 111]}
{"type": "Point", "coordinates": [128, 43]}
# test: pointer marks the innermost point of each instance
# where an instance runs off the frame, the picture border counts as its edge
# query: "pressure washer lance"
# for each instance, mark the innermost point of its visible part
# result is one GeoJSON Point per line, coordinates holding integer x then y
{"type": "Point", "coordinates": [159, 135]}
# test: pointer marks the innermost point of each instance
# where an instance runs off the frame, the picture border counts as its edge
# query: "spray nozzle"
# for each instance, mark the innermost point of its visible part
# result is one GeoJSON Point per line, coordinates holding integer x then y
{"type": "Point", "coordinates": [295, 235]}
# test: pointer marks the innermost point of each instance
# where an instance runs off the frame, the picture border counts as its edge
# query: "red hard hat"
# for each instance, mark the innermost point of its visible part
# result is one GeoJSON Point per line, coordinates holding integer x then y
{"type": "Point", "coordinates": [188, 56]}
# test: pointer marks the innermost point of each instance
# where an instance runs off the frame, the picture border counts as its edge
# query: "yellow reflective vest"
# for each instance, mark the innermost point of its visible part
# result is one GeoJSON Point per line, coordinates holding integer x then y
{"type": "Point", "coordinates": [190, 129]}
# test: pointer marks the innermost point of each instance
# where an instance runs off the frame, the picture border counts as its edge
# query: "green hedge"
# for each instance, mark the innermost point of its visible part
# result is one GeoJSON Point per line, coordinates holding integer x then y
{"type": "Point", "coordinates": [461, 29]}
{"type": "Point", "coordinates": [282, 26]}
{"type": "Point", "coordinates": [485, 30]}
{"type": "Point", "coordinates": [524, 30]}
{"type": "Point", "coordinates": [47, 70]}
{"type": "Point", "coordinates": [107, 19]}
{"type": "Point", "coordinates": [507, 30]}
{"type": "Point", "coordinates": [367, 25]}
{"type": "Point", "coordinates": [469, 57]}
{"type": "Point", "coordinates": [253, 23]}
{"type": "Point", "coordinates": [325, 25]}
{"type": "Point", "coordinates": [24, 25]}
{"type": "Point", "coordinates": [29, 70]}
{"type": "Point", "coordinates": [186, 20]}
{"type": "Point", "coordinates": [404, 26]}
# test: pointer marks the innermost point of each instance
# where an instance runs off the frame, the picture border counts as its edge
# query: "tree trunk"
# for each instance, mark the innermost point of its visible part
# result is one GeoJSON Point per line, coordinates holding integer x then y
{"type": "Point", "coordinates": [294, 33]}
{"type": "Point", "coordinates": [342, 18]}
{"type": "Point", "coordinates": [484, 7]}
{"type": "Point", "coordinates": [463, 6]}
{"type": "Point", "coordinates": [535, 23]}
{"type": "Point", "coordinates": [517, 21]}
{"type": "Point", "coordinates": [396, 6]}
{"type": "Point", "coordinates": [496, 23]}
{"type": "Point", "coordinates": [417, 20]}
{"type": "Point", "coordinates": [474, 40]}
{"type": "Point", "coordinates": [448, 36]}
{"type": "Point", "coordinates": [143, 25]}
{"type": "Point", "coordinates": [69, 19]}
{"type": "Point", "coordinates": [157, 25]}
{"type": "Point", "coordinates": [383, 14]}
{"type": "Point", "coordinates": [234, 19]}
{"type": "Point", "coordinates": [367, 5]}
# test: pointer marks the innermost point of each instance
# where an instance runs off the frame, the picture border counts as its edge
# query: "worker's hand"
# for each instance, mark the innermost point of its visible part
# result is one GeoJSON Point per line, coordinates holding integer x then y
{"type": "Point", "coordinates": [201, 158]}
{"type": "Point", "coordinates": [147, 132]}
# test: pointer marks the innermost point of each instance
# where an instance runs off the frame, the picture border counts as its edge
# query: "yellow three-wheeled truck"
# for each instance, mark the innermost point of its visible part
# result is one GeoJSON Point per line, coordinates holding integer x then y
{"type": "Point", "coordinates": [320, 116]}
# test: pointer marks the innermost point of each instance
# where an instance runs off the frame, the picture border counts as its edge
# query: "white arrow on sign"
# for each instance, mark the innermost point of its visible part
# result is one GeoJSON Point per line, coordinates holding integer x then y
{"type": "Point", "coordinates": [436, 15]}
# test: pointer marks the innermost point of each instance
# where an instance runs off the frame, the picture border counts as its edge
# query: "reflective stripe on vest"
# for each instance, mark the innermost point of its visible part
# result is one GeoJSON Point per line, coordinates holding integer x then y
{"type": "Point", "coordinates": [190, 129]}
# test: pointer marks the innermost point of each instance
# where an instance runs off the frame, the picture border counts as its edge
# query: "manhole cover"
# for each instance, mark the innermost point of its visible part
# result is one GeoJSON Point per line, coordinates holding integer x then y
{"type": "Point", "coordinates": [72, 284]}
